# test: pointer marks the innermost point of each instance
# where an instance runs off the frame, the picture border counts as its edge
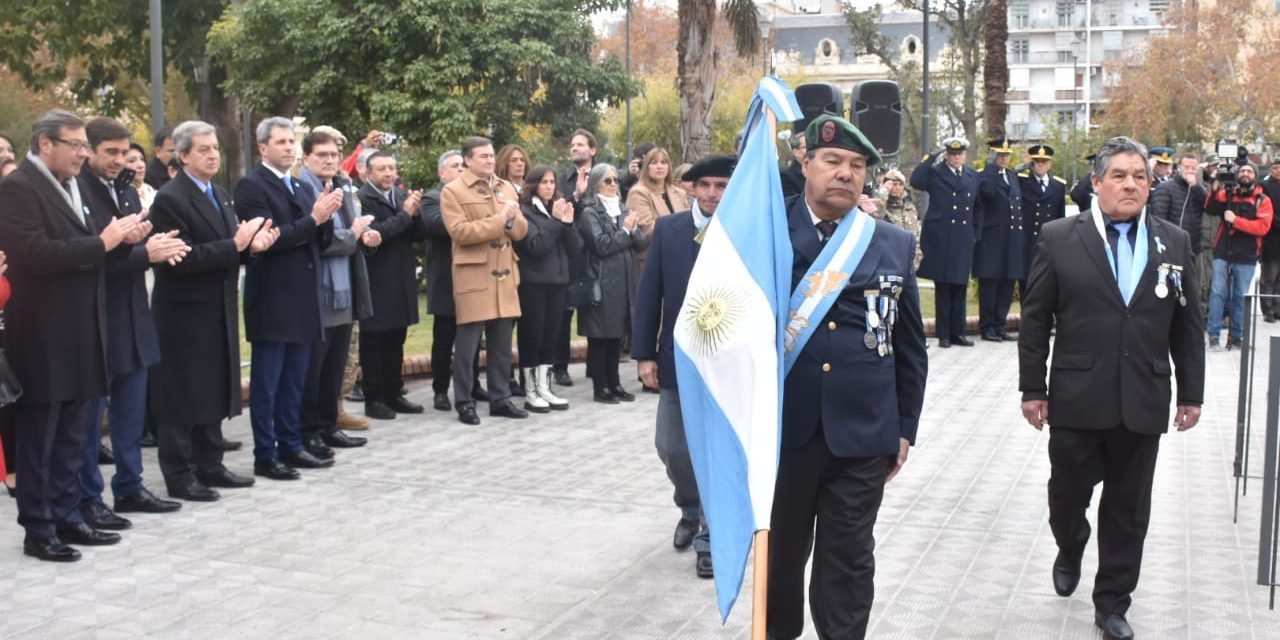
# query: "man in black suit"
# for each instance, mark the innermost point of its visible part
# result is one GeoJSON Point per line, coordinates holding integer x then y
{"type": "Point", "coordinates": [197, 382]}
{"type": "Point", "coordinates": [998, 256]}
{"type": "Point", "coordinates": [343, 293]}
{"type": "Point", "coordinates": [281, 300]}
{"type": "Point", "coordinates": [132, 345]}
{"type": "Point", "coordinates": [839, 449]}
{"type": "Point", "coordinates": [397, 217]}
{"type": "Point", "coordinates": [56, 333]}
{"type": "Point", "coordinates": [1119, 287]}
{"type": "Point", "coordinates": [672, 252]}
{"type": "Point", "coordinates": [162, 153]}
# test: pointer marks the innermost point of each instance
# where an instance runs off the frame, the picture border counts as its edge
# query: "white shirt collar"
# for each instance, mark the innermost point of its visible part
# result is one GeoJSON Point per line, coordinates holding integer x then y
{"type": "Point", "coordinates": [700, 219]}
{"type": "Point", "coordinates": [279, 174]}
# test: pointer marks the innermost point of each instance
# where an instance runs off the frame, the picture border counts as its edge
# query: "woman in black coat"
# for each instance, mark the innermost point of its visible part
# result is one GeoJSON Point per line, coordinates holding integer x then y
{"type": "Point", "coordinates": [544, 276]}
{"type": "Point", "coordinates": [612, 239]}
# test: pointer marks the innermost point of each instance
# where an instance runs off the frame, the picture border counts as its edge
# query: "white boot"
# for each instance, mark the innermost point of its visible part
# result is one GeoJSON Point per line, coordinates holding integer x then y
{"type": "Point", "coordinates": [543, 378]}
{"type": "Point", "coordinates": [532, 399]}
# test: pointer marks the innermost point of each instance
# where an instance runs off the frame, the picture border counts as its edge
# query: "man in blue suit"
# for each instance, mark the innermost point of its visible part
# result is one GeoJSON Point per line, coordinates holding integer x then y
{"type": "Point", "coordinates": [852, 398]}
{"type": "Point", "coordinates": [281, 300]}
{"type": "Point", "coordinates": [672, 252]}
{"type": "Point", "coordinates": [998, 257]}
{"type": "Point", "coordinates": [1044, 199]}
{"type": "Point", "coordinates": [132, 344]}
{"type": "Point", "coordinates": [951, 226]}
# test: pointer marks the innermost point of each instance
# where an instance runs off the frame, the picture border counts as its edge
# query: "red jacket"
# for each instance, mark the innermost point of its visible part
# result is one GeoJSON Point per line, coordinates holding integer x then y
{"type": "Point", "coordinates": [4, 291]}
{"type": "Point", "coordinates": [1241, 241]}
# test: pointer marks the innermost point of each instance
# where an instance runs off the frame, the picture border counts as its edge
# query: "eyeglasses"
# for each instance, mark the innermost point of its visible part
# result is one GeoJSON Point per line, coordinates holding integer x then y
{"type": "Point", "coordinates": [76, 145]}
{"type": "Point", "coordinates": [609, 180]}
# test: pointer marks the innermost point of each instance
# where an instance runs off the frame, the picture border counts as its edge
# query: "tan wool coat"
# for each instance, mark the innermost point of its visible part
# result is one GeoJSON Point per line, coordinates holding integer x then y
{"type": "Point", "coordinates": [485, 270]}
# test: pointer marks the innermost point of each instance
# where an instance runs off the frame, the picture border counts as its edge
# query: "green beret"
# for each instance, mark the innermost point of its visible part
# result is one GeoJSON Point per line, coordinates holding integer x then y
{"type": "Point", "coordinates": [833, 131]}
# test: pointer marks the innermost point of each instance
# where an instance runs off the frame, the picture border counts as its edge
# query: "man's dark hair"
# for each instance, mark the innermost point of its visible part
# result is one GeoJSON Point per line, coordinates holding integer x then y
{"type": "Point", "coordinates": [318, 137]}
{"type": "Point", "coordinates": [591, 137]}
{"type": "Point", "coordinates": [1116, 146]}
{"type": "Point", "coordinates": [163, 134]}
{"type": "Point", "coordinates": [472, 143]}
{"type": "Point", "coordinates": [368, 162]}
{"type": "Point", "coordinates": [51, 124]}
{"type": "Point", "coordinates": [642, 149]}
{"type": "Point", "coordinates": [100, 130]}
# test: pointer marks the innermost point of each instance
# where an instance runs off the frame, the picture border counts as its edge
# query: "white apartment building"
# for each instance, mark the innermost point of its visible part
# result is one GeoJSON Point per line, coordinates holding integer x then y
{"type": "Point", "coordinates": [1057, 55]}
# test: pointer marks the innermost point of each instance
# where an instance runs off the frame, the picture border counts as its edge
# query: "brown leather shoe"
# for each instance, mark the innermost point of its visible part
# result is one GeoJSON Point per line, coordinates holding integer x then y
{"type": "Point", "coordinates": [350, 422]}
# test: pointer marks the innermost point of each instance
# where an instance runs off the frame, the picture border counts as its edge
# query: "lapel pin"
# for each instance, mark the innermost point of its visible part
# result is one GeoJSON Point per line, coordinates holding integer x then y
{"type": "Point", "coordinates": [1159, 245]}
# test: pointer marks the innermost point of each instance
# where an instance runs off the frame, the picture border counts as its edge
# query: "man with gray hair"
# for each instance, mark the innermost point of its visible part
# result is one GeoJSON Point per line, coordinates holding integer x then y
{"type": "Point", "coordinates": [54, 338]}
{"type": "Point", "coordinates": [281, 300]}
{"type": "Point", "coordinates": [1120, 312]}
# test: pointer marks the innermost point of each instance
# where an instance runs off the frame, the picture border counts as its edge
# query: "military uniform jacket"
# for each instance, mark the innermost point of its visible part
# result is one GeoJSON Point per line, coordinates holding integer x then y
{"type": "Point", "coordinates": [1000, 249]}
{"type": "Point", "coordinates": [393, 281]}
{"type": "Point", "coordinates": [1110, 360]}
{"type": "Point", "coordinates": [195, 303]}
{"type": "Point", "coordinates": [860, 402]}
{"type": "Point", "coordinates": [1040, 206]}
{"type": "Point", "coordinates": [485, 274]}
{"type": "Point", "coordinates": [951, 224]}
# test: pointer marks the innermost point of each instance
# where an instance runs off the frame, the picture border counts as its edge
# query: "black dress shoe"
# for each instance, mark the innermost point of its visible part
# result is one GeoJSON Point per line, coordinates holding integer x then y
{"type": "Point", "coordinates": [441, 402]}
{"type": "Point", "coordinates": [148, 441]}
{"type": "Point", "coordinates": [316, 447]}
{"type": "Point", "coordinates": [1066, 574]}
{"type": "Point", "coordinates": [400, 405]}
{"type": "Point", "coordinates": [378, 411]}
{"type": "Point", "coordinates": [85, 535]}
{"type": "Point", "coordinates": [105, 456]}
{"type": "Point", "coordinates": [561, 377]}
{"type": "Point", "coordinates": [146, 502]}
{"type": "Point", "coordinates": [275, 470]}
{"type": "Point", "coordinates": [507, 409]}
{"type": "Point", "coordinates": [621, 394]}
{"type": "Point", "coordinates": [231, 445]}
{"type": "Point", "coordinates": [304, 460]}
{"type": "Point", "coordinates": [224, 479]}
{"type": "Point", "coordinates": [703, 565]}
{"type": "Point", "coordinates": [479, 394]}
{"type": "Point", "coordinates": [1113, 625]}
{"type": "Point", "coordinates": [341, 440]}
{"type": "Point", "coordinates": [961, 341]}
{"type": "Point", "coordinates": [98, 516]}
{"type": "Point", "coordinates": [194, 492]}
{"type": "Point", "coordinates": [604, 396]}
{"type": "Point", "coordinates": [467, 413]}
{"type": "Point", "coordinates": [944, 343]}
{"type": "Point", "coordinates": [49, 549]}
{"type": "Point", "coordinates": [685, 529]}
{"type": "Point", "coordinates": [1008, 337]}
{"type": "Point", "coordinates": [991, 337]}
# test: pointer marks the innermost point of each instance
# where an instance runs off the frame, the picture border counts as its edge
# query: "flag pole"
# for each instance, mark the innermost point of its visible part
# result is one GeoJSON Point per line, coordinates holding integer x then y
{"type": "Point", "coordinates": [760, 586]}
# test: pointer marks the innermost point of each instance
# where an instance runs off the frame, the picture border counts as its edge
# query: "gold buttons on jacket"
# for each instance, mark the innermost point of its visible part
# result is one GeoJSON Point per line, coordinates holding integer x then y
{"type": "Point", "coordinates": [826, 366]}
{"type": "Point", "coordinates": [831, 325]}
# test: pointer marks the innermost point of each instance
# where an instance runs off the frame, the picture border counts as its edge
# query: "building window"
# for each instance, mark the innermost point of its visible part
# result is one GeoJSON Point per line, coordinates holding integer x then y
{"type": "Point", "coordinates": [1019, 49]}
{"type": "Point", "coordinates": [827, 53]}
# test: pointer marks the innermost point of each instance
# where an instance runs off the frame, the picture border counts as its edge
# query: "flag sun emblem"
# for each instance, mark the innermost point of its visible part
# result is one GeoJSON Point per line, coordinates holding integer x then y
{"type": "Point", "coordinates": [711, 316]}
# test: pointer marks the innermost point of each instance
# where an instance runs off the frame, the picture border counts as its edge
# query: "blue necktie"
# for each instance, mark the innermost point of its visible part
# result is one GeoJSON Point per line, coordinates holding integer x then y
{"type": "Point", "coordinates": [213, 198]}
{"type": "Point", "coordinates": [288, 184]}
{"type": "Point", "coordinates": [1124, 258]}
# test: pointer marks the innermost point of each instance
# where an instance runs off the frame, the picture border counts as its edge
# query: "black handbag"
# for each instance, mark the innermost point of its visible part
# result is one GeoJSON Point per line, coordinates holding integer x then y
{"type": "Point", "coordinates": [582, 293]}
{"type": "Point", "coordinates": [10, 389]}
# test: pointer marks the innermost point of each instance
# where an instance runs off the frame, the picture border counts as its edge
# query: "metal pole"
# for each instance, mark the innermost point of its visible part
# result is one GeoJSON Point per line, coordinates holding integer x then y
{"type": "Point", "coordinates": [628, 79]}
{"type": "Point", "coordinates": [1075, 107]}
{"type": "Point", "coordinates": [157, 68]}
{"type": "Point", "coordinates": [925, 143]}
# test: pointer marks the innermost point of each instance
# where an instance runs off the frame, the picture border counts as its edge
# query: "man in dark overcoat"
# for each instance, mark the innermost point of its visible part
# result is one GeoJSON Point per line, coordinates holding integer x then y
{"type": "Point", "coordinates": [998, 257]}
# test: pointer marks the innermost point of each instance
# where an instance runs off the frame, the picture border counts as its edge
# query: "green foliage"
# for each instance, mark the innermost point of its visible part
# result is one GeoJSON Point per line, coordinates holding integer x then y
{"type": "Point", "coordinates": [655, 116]}
{"type": "Point", "coordinates": [433, 71]}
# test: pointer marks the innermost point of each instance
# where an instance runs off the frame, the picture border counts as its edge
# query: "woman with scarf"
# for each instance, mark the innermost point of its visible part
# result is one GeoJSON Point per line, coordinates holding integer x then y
{"type": "Point", "coordinates": [544, 275]}
{"type": "Point", "coordinates": [613, 237]}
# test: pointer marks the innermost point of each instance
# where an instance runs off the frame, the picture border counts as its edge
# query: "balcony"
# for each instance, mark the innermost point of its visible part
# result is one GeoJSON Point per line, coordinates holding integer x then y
{"type": "Point", "coordinates": [1027, 23]}
{"type": "Point", "coordinates": [1068, 94]}
{"type": "Point", "coordinates": [1044, 57]}
{"type": "Point", "coordinates": [1017, 95]}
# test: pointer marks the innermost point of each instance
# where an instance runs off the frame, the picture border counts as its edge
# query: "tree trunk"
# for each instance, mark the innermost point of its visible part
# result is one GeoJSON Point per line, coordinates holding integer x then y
{"type": "Point", "coordinates": [698, 71]}
{"type": "Point", "coordinates": [995, 68]}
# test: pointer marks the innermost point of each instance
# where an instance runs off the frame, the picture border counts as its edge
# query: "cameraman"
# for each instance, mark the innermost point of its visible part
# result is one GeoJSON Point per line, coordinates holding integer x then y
{"type": "Point", "coordinates": [1246, 215]}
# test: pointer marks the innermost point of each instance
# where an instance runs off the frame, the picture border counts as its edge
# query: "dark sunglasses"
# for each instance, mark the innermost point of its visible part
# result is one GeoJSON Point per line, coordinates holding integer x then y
{"type": "Point", "coordinates": [608, 180]}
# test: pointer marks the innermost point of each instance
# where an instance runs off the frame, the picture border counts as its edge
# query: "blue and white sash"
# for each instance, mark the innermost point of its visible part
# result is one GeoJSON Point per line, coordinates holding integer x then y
{"type": "Point", "coordinates": [822, 283]}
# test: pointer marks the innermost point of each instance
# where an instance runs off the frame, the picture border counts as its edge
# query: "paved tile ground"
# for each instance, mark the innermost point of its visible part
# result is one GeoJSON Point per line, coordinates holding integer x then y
{"type": "Point", "coordinates": [560, 527]}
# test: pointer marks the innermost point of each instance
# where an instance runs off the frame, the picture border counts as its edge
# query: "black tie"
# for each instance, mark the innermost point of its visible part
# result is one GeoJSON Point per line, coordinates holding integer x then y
{"type": "Point", "coordinates": [959, 174]}
{"type": "Point", "coordinates": [827, 228]}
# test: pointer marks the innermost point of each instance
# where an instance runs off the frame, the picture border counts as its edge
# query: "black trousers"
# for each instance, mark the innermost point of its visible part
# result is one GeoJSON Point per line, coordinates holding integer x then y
{"type": "Point", "coordinates": [603, 355]}
{"type": "Point", "coordinates": [323, 390]}
{"type": "Point", "coordinates": [562, 340]}
{"type": "Point", "coordinates": [444, 332]}
{"type": "Point", "coordinates": [995, 296]}
{"type": "Point", "coordinates": [189, 448]}
{"type": "Point", "coordinates": [1124, 462]}
{"type": "Point", "coordinates": [542, 309]}
{"type": "Point", "coordinates": [381, 359]}
{"type": "Point", "coordinates": [843, 496]}
{"type": "Point", "coordinates": [50, 455]}
{"type": "Point", "coordinates": [949, 308]}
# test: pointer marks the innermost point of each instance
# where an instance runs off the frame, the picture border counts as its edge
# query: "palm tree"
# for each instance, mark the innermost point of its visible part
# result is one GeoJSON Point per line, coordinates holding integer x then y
{"type": "Point", "coordinates": [995, 68]}
{"type": "Point", "coordinates": [698, 66]}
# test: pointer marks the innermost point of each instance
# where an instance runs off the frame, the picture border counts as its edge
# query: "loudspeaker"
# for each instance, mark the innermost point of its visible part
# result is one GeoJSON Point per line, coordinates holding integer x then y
{"type": "Point", "coordinates": [877, 112]}
{"type": "Point", "coordinates": [817, 98]}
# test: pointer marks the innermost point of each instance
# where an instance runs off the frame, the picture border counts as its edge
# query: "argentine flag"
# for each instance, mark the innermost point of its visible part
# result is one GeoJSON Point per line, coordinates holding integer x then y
{"type": "Point", "coordinates": [728, 345]}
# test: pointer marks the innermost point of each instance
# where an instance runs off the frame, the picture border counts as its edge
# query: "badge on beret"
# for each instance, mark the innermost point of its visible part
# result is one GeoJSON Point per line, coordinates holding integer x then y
{"type": "Point", "coordinates": [829, 131]}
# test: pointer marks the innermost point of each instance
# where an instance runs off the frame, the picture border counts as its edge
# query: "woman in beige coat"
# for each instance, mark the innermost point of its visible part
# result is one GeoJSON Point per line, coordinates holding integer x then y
{"type": "Point", "coordinates": [655, 194]}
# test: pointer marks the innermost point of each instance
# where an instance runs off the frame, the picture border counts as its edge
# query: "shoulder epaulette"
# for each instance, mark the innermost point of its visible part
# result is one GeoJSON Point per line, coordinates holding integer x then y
{"type": "Point", "coordinates": [1024, 174]}
{"type": "Point", "coordinates": [1060, 179]}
